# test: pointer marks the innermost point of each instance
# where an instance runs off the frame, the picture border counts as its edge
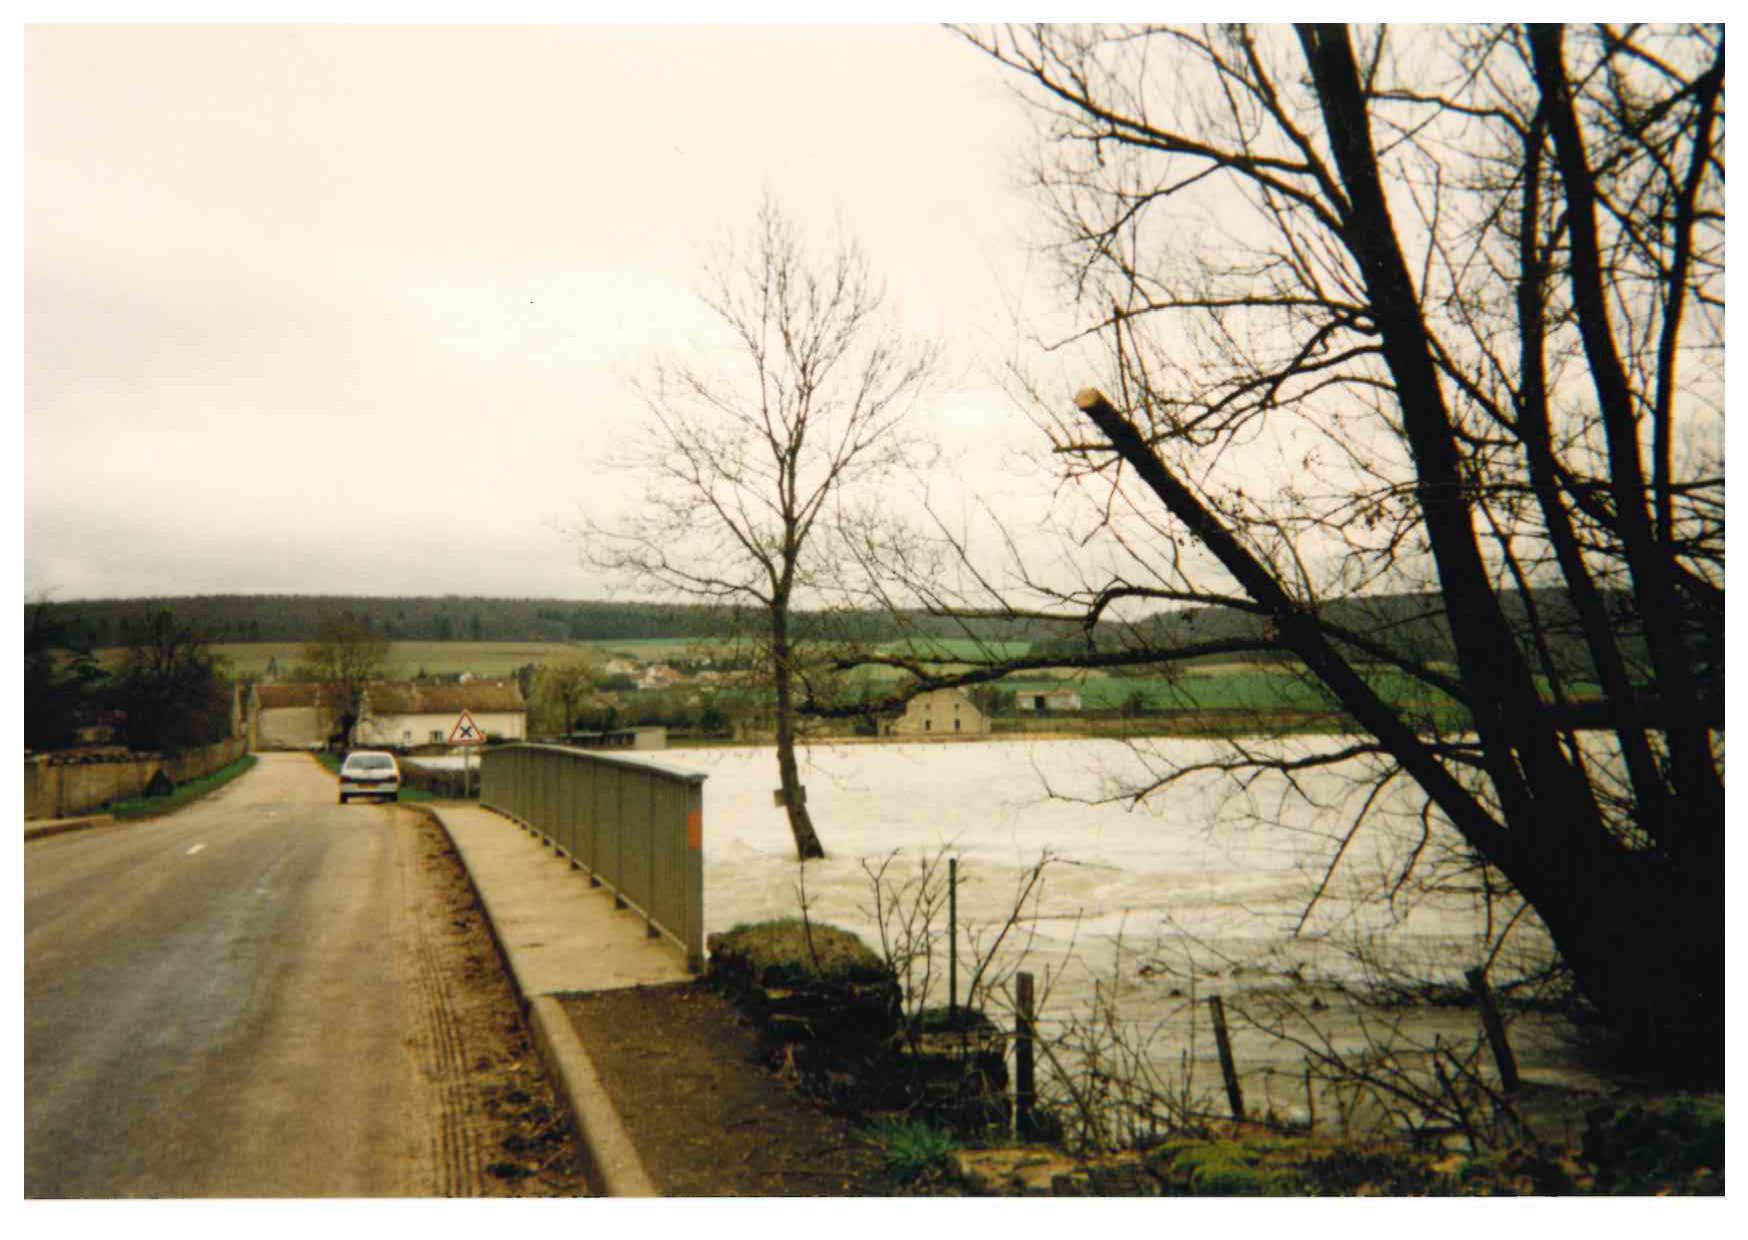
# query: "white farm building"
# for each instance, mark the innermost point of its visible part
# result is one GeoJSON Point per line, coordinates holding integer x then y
{"type": "Point", "coordinates": [405, 714]}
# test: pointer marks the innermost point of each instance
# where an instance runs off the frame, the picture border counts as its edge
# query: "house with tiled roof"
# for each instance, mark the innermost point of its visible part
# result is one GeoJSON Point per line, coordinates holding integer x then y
{"type": "Point", "coordinates": [938, 714]}
{"type": "Point", "coordinates": [402, 714]}
{"type": "Point", "coordinates": [292, 716]}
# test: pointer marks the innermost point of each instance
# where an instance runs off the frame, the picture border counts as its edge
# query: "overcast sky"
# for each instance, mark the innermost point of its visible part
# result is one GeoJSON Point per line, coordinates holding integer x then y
{"type": "Point", "coordinates": [340, 309]}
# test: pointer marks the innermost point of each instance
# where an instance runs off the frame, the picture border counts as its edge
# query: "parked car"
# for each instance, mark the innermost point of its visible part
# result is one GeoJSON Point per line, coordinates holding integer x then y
{"type": "Point", "coordinates": [370, 773]}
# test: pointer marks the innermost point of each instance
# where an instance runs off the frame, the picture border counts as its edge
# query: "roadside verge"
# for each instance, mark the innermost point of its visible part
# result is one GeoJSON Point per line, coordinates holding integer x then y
{"type": "Point", "coordinates": [558, 935]}
{"type": "Point", "coordinates": [60, 826]}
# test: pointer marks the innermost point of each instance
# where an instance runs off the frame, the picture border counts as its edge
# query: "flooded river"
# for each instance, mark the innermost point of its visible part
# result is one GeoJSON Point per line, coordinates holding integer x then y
{"type": "Point", "coordinates": [1145, 906]}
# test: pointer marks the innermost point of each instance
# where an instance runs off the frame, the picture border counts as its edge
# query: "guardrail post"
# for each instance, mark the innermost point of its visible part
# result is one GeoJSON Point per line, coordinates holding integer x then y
{"type": "Point", "coordinates": [619, 844]}
{"type": "Point", "coordinates": [650, 843]}
{"type": "Point", "coordinates": [597, 815]}
{"type": "Point", "coordinates": [693, 882]}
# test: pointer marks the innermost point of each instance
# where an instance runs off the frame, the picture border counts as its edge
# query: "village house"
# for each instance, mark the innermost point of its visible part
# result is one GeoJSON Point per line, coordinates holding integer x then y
{"type": "Point", "coordinates": [939, 712]}
{"type": "Point", "coordinates": [1053, 700]}
{"type": "Point", "coordinates": [403, 714]}
{"type": "Point", "coordinates": [658, 676]}
{"type": "Point", "coordinates": [300, 715]}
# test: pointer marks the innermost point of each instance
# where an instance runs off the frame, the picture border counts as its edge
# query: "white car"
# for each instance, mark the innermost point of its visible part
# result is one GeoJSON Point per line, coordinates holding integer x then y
{"type": "Point", "coordinates": [370, 773]}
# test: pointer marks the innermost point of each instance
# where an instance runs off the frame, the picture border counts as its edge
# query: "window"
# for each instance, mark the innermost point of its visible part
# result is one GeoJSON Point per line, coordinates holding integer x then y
{"type": "Point", "coordinates": [436, 734]}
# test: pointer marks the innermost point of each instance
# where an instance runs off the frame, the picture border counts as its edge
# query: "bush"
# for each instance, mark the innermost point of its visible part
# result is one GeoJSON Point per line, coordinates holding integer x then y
{"type": "Point", "coordinates": [911, 1150]}
{"type": "Point", "coordinates": [1231, 1168]}
{"type": "Point", "coordinates": [1672, 1143]}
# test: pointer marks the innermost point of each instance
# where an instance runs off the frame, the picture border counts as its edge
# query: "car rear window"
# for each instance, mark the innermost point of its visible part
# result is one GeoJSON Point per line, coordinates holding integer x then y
{"type": "Point", "coordinates": [370, 762]}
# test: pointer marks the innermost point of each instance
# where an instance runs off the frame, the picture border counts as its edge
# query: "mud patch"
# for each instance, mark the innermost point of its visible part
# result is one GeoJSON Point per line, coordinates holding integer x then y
{"type": "Point", "coordinates": [708, 1115]}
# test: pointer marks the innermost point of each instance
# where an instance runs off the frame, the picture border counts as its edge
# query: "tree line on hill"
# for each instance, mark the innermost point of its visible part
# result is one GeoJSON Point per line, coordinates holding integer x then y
{"type": "Point", "coordinates": [1414, 624]}
{"type": "Point", "coordinates": [299, 618]}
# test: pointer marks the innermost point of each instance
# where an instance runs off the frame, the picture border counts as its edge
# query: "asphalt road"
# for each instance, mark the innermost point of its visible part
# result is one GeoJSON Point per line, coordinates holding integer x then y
{"type": "Point", "coordinates": [227, 1001]}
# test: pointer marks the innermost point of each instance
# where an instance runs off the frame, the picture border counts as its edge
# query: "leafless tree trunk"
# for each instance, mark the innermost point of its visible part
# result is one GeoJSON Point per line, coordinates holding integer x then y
{"type": "Point", "coordinates": [347, 654]}
{"type": "Point", "coordinates": [1406, 313]}
{"type": "Point", "coordinates": [744, 462]}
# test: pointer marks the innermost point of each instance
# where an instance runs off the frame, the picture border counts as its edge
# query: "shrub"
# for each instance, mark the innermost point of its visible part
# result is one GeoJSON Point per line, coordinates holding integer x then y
{"type": "Point", "coordinates": [1670, 1143]}
{"type": "Point", "coordinates": [911, 1150]}
{"type": "Point", "coordinates": [1231, 1168]}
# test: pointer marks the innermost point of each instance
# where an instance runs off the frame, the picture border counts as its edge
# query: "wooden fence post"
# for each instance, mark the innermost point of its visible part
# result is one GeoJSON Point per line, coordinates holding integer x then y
{"type": "Point", "coordinates": [1495, 1028]}
{"type": "Point", "coordinates": [952, 942]}
{"type": "Point", "coordinates": [1234, 1096]}
{"type": "Point", "coordinates": [1025, 1082]}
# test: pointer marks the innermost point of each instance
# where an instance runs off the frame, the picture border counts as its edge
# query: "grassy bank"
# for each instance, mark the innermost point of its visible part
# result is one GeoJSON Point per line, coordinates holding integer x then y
{"type": "Point", "coordinates": [182, 794]}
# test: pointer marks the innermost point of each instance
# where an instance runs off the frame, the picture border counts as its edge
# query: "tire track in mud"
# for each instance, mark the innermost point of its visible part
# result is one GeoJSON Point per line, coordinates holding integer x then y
{"type": "Point", "coordinates": [441, 1045]}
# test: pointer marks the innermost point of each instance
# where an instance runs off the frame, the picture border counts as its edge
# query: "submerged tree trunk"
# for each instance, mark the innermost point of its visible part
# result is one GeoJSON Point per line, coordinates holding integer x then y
{"type": "Point", "coordinates": [807, 845]}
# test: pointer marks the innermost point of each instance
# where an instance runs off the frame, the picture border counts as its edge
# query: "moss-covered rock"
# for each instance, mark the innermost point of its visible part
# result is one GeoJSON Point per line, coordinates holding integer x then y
{"type": "Point", "coordinates": [790, 953]}
{"type": "Point", "coordinates": [821, 995]}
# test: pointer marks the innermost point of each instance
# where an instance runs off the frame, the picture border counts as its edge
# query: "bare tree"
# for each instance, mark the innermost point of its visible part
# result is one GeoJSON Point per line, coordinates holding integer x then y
{"type": "Point", "coordinates": [346, 653]}
{"type": "Point", "coordinates": [1433, 314]}
{"type": "Point", "coordinates": [562, 688]}
{"type": "Point", "coordinates": [746, 460]}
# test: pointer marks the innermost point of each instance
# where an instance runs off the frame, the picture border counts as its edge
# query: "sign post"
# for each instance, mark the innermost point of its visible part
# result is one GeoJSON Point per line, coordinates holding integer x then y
{"type": "Point", "coordinates": [466, 732]}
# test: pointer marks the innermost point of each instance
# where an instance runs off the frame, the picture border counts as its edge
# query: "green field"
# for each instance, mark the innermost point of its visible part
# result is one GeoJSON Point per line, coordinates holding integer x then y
{"type": "Point", "coordinates": [491, 660]}
{"type": "Point", "coordinates": [1239, 688]}
{"type": "Point", "coordinates": [650, 649]}
{"type": "Point", "coordinates": [249, 660]}
{"type": "Point", "coordinates": [964, 648]}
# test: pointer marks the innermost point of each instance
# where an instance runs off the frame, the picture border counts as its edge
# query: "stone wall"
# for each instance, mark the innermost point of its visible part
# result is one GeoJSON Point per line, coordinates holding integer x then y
{"type": "Point", "coordinates": [56, 787]}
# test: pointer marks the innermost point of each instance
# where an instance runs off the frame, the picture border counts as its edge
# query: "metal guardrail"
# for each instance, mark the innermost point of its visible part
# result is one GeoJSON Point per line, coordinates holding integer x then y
{"type": "Point", "coordinates": [635, 828]}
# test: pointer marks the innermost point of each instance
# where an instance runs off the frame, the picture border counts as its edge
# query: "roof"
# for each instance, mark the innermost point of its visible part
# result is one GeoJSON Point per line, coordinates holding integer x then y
{"type": "Point", "coordinates": [476, 696]}
{"type": "Point", "coordinates": [297, 693]}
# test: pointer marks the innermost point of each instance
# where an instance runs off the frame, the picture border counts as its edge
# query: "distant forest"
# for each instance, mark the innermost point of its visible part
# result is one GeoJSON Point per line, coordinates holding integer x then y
{"type": "Point", "coordinates": [1413, 624]}
{"type": "Point", "coordinates": [294, 617]}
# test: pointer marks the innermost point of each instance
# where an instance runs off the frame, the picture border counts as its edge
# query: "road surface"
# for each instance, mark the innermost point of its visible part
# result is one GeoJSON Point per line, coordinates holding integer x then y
{"type": "Point", "coordinates": [240, 999]}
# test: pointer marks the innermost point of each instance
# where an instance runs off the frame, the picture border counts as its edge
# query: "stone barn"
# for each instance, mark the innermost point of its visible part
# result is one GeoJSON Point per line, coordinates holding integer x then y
{"type": "Point", "coordinates": [938, 713]}
{"type": "Point", "coordinates": [1052, 701]}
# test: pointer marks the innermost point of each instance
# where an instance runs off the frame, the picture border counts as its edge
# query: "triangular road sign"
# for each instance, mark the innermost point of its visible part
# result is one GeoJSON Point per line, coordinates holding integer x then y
{"type": "Point", "coordinates": [466, 731]}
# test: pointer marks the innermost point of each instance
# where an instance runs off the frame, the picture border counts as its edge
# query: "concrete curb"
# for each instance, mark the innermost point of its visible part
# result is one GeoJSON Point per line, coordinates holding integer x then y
{"type": "Point", "coordinates": [61, 826]}
{"type": "Point", "coordinates": [611, 1161]}
{"type": "Point", "coordinates": [613, 1165]}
